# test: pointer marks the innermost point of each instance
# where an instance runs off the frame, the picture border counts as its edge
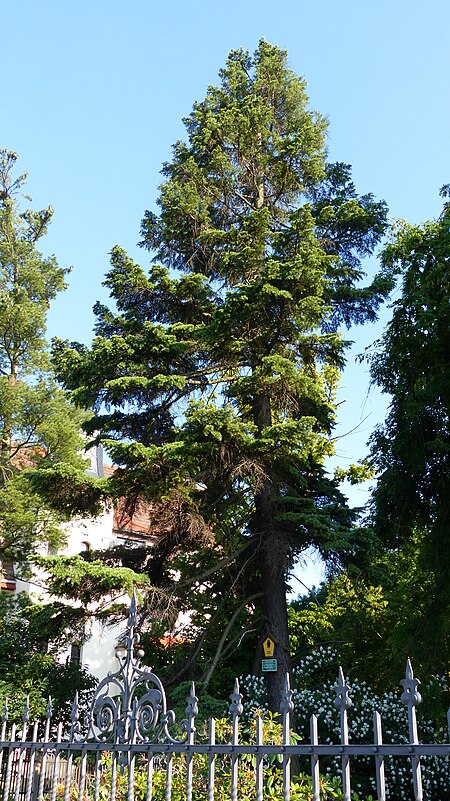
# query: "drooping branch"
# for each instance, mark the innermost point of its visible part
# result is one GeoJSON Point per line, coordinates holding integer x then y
{"type": "Point", "coordinates": [228, 627]}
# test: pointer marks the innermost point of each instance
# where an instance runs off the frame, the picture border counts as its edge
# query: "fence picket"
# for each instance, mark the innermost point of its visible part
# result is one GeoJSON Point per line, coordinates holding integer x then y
{"type": "Point", "coordinates": [128, 757]}
{"type": "Point", "coordinates": [30, 774]}
{"type": "Point", "coordinates": [43, 760]}
{"type": "Point", "coordinates": [169, 769]}
{"type": "Point", "coordinates": [411, 698]}
{"type": "Point", "coordinates": [82, 778]}
{"type": "Point", "coordinates": [286, 707]}
{"type": "Point", "coordinates": [56, 764]}
{"type": "Point", "coordinates": [149, 791]}
{"type": "Point", "coordinates": [98, 758]}
{"type": "Point", "coordinates": [379, 760]}
{"type": "Point", "coordinates": [3, 734]}
{"type": "Point", "coordinates": [9, 763]}
{"type": "Point", "coordinates": [191, 712]}
{"type": "Point", "coordinates": [68, 775]}
{"type": "Point", "coordinates": [20, 754]}
{"type": "Point", "coordinates": [211, 759]}
{"type": "Point", "coordinates": [74, 726]}
{"type": "Point", "coordinates": [315, 772]}
{"type": "Point", "coordinates": [343, 703]}
{"type": "Point", "coordinates": [113, 791]}
{"type": "Point", "coordinates": [259, 760]}
{"type": "Point", "coordinates": [236, 710]}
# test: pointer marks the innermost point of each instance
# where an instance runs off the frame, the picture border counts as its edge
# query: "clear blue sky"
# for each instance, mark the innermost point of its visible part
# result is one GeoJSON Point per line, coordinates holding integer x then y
{"type": "Point", "coordinates": [93, 94]}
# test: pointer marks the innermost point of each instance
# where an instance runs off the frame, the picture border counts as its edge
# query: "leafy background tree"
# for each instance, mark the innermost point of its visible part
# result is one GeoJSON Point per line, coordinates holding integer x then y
{"type": "Point", "coordinates": [213, 379]}
{"type": "Point", "coordinates": [38, 426]}
{"type": "Point", "coordinates": [411, 450]}
{"type": "Point", "coordinates": [32, 638]}
{"type": "Point", "coordinates": [39, 430]}
{"type": "Point", "coordinates": [399, 605]}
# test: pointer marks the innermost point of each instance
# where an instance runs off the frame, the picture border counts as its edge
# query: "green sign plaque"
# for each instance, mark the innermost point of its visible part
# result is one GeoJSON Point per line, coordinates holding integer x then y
{"type": "Point", "coordinates": [269, 665]}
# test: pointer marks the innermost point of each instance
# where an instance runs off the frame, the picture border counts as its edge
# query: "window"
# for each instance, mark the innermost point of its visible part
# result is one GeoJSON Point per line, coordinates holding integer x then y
{"type": "Point", "coordinates": [75, 654]}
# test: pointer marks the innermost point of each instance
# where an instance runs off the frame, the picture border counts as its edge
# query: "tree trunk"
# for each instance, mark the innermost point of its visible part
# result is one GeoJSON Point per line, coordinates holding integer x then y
{"type": "Point", "coordinates": [273, 563]}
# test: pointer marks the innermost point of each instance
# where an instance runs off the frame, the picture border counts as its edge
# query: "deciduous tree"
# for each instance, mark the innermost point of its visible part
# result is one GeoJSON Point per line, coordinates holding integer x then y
{"type": "Point", "coordinates": [411, 450]}
{"type": "Point", "coordinates": [38, 426]}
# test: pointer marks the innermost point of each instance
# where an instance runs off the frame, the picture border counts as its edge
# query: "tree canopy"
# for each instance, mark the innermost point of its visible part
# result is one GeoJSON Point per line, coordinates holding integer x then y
{"type": "Point", "coordinates": [411, 450]}
{"type": "Point", "coordinates": [213, 378]}
{"type": "Point", "coordinates": [39, 433]}
{"type": "Point", "coordinates": [39, 428]}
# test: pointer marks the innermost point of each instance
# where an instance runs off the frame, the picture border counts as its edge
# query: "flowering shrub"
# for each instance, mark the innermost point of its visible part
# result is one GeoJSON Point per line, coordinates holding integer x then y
{"type": "Point", "coordinates": [315, 679]}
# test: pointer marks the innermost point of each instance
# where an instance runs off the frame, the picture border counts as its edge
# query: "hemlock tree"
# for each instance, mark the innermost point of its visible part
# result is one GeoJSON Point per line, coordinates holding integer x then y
{"type": "Point", "coordinates": [411, 450]}
{"type": "Point", "coordinates": [213, 379]}
{"type": "Point", "coordinates": [38, 426]}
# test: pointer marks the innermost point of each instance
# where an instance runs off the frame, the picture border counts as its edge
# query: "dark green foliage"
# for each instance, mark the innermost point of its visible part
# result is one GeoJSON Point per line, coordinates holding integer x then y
{"type": "Point", "coordinates": [411, 451]}
{"type": "Point", "coordinates": [399, 604]}
{"type": "Point", "coordinates": [374, 627]}
{"type": "Point", "coordinates": [213, 379]}
{"type": "Point", "coordinates": [32, 636]}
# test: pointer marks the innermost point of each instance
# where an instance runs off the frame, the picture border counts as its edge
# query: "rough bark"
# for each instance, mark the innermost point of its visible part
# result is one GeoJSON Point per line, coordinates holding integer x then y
{"type": "Point", "coordinates": [273, 563]}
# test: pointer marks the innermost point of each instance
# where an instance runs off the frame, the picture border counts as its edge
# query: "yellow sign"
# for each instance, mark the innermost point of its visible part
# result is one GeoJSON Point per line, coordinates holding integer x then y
{"type": "Point", "coordinates": [269, 647]}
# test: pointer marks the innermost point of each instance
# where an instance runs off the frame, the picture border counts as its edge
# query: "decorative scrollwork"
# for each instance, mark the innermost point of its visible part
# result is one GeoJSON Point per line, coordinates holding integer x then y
{"type": "Point", "coordinates": [105, 716]}
{"type": "Point", "coordinates": [148, 713]}
{"type": "Point", "coordinates": [129, 706]}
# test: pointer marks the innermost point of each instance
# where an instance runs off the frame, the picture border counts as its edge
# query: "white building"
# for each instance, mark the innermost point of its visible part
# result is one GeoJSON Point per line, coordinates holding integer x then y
{"type": "Point", "coordinates": [101, 533]}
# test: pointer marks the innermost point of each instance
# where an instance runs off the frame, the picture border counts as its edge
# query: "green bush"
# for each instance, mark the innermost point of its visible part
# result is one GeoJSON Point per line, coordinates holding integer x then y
{"type": "Point", "coordinates": [301, 788]}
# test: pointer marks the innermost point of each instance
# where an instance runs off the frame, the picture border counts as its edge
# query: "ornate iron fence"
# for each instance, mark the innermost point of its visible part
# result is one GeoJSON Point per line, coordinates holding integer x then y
{"type": "Point", "coordinates": [130, 738]}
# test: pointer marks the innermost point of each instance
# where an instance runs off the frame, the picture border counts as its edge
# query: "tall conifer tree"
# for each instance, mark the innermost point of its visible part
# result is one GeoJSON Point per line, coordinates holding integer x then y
{"type": "Point", "coordinates": [214, 377]}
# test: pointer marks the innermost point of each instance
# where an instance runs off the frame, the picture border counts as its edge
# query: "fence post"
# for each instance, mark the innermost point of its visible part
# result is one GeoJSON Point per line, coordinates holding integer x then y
{"type": "Point", "coordinates": [411, 698]}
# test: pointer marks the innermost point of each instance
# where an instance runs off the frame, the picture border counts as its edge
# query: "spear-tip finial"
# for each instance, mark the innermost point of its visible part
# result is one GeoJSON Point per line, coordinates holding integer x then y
{"type": "Point", "coordinates": [410, 695]}
{"type": "Point", "coordinates": [287, 705]}
{"type": "Point", "coordinates": [192, 703]}
{"type": "Point", "coordinates": [343, 700]}
{"type": "Point", "coordinates": [49, 710]}
{"type": "Point", "coordinates": [236, 707]}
